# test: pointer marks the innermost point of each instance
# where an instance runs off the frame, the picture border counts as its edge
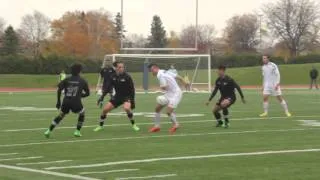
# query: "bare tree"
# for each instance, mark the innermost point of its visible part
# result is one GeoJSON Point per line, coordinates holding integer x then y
{"type": "Point", "coordinates": [136, 41]}
{"type": "Point", "coordinates": [205, 37]}
{"type": "Point", "coordinates": [291, 20]}
{"type": "Point", "coordinates": [241, 33]}
{"type": "Point", "coordinates": [34, 28]}
{"type": "Point", "coordinates": [2, 24]}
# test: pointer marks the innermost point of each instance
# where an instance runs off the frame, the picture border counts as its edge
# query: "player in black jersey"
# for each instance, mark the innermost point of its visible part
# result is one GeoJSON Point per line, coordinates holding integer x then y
{"type": "Point", "coordinates": [106, 73]}
{"type": "Point", "coordinates": [124, 95]}
{"type": "Point", "coordinates": [226, 85]}
{"type": "Point", "coordinates": [75, 88]}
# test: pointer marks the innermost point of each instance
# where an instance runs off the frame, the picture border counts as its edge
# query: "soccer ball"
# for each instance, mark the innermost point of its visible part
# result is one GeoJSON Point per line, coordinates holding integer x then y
{"type": "Point", "coordinates": [162, 100]}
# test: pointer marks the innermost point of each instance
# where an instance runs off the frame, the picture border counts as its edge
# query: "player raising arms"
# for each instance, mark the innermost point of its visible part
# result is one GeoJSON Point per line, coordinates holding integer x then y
{"type": "Point", "coordinates": [124, 94]}
{"type": "Point", "coordinates": [74, 88]}
{"type": "Point", "coordinates": [271, 86]}
{"type": "Point", "coordinates": [226, 85]}
{"type": "Point", "coordinates": [106, 73]}
{"type": "Point", "coordinates": [173, 95]}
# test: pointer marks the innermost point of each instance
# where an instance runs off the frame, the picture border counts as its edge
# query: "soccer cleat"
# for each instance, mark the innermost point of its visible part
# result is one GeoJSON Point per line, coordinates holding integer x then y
{"type": "Point", "coordinates": [226, 125]}
{"type": "Point", "coordinates": [77, 133]}
{"type": "Point", "coordinates": [154, 129]}
{"type": "Point", "coordinates": [173, 129]}
{"type": "Point", "coordinates": [288, 114]}
{"type": "Point", "coordinates": [47, 133]}
{"type": "Point", "coordinates": [265, 114]}
{"type": "Point", "coordinates": [135, 128]}
{"type": "Point", "coordinates": [99, 128]}
{"type": "Point", "coordinates": [219, 124]}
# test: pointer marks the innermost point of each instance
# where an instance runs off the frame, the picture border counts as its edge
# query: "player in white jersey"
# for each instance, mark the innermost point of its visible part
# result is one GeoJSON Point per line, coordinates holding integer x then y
{"type": "Point", "coordinates": [271, 86]}
{"type": "Point", "coordinates": [173, 96]}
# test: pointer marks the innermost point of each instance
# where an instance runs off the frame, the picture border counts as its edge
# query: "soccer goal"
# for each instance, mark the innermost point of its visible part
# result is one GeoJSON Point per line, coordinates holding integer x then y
{"type": "Point", "coordinates": [194, 68]}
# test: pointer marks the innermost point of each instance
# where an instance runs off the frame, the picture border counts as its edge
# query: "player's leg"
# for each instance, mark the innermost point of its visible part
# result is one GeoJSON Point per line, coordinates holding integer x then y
{"type": "Point", "coordinates": [107, 108]}
{"type": "Point", "coordinates": [173, 117]}
{"type": "Point", "coordinates": [265, 104]}
{"type": "Point", "coordinates": [284, 105]}
{"type": "Point", "coordinates": [225, 104]}
{"type": "Point", "coordinates": [127, 107]}
{"type": "Point", "coordinates": [156, 119]}
{"type": "Point", "coordinates": [55, 122]}
{"type": "Point", "coordinates": [81, 118]}
{"type": "Point", "coordinates": [216, 112]}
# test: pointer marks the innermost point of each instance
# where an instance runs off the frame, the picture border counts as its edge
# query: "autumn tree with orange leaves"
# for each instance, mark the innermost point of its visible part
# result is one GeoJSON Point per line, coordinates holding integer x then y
{"type": "Point", "coordinates": [89, 34]}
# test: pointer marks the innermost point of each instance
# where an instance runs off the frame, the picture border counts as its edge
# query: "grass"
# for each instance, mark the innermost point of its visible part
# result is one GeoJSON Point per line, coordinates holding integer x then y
{"type": "Point", "coordinates": [197, 136]}
{"type": "Point", "coordinates": [290, 74]}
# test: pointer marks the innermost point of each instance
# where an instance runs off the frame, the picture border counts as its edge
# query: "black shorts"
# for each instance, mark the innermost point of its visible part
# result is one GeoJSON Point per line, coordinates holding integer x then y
{"type": "Point", "coordinates": [231, 99]}
{"type": "Point", "coordinates": [117, 101]}
{"type": "Point", "coordinates": [74, 106]}
{"type": "Point", "coordinates": [108, 89]}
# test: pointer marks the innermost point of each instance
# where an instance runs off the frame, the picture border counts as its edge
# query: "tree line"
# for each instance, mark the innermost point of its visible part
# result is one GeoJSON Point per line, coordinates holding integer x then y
{"type": "Point", "coordinates": [284, 28]}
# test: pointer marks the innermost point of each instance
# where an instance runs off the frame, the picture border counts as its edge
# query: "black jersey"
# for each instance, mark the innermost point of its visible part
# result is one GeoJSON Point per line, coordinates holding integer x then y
{"type": "Point", "coordinates": [123, 85]}
{"type": "Point", "coordinates": [107, 73]}
{"type": "Point", "coordinates": [226, 85]}
{"type": "Point", "coordinates": [74, 88]}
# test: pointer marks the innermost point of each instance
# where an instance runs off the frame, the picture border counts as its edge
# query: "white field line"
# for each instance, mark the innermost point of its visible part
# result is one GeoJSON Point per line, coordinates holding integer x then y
{"type": "Point", "coordinates": [8, 154]}
{"type": "Point", "coordinates": [140, 161]}
{"type": "Point", "coordinates": [182, 122]}
{"type": "Point", "coordinates": [156, 136]}
{"type": "Point", "coordinates": [47, 162]}
{"type": "Point", "coordinates": [46, 172]}
{"type": "Point", "coordinates": [148, 177]}
{"type": "Point", "coordinates": [111, 171]}
{"type": "Point", "coordinates": [22, 158]}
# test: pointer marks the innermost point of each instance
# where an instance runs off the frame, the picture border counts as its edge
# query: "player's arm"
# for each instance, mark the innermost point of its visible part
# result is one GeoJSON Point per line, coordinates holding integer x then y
{"type": "Point", "coordinates": [277, 74]}
{"type": "Point", "coordinates": [86, 90]}
{"type": "Point", "coordinates": [239, 91]}
{"type": "Point", "coordinates": [214, 92]}
{"type": "Point", "coordinates": [61, 86]}
{"type": "Point", "coordinates": [131, 88]}
{"type": "Point", "coordinates": [181, 79]}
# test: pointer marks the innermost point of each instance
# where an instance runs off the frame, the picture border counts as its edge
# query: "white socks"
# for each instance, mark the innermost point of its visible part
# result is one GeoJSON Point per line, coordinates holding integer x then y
{"type": "Point", "coordinates": [173, 118]}
{"type": "Point", "coordinates": [266, 107]}
{"type": "Point", "coordinates": [285, 106]}
{"type": "Point", "coordinates": [157, 120]}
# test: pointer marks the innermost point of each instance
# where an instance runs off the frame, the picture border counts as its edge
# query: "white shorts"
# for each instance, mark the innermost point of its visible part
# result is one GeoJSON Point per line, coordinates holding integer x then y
{"type": "Point", "coordinates": [271, 91]}
{"type": "Point", "coordinates": [174, 99]}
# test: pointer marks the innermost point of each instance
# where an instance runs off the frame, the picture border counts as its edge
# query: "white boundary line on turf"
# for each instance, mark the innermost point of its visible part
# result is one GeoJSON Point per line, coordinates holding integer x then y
{"type": "Point", "coordinates": [111, 171]}
{"type": "Point", "coordinates": [157, 136]}
{"type": "Point", "coordinates": [46, 172]}
{"type": "Point", "coordinates": [8, 154]}
{"type": "Point", "coordinates": [22, 158]}
{"type": "Point", "coordinates": [47, 162]}
{"type": "Point", "coordinates": [148, 177]}
{"type": "Point", "coordinates": [184, 158]}
{"type": "Point", "coordinates": [182, 122]}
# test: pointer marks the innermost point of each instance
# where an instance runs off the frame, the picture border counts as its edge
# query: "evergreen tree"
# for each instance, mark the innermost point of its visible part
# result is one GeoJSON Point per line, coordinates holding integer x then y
{"type": "Point", "coordinates": [10, 42]}
{"type": "Point", "coordinates": [158, 37]}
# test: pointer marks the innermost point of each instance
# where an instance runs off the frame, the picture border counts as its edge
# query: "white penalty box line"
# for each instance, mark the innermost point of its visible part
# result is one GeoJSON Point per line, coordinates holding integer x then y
{"type": "Point", "coordinates": [183, 122]}
{"type": "Point", "coordinates": [140, 161]}
{"type": "Point", "coordinates": [156, 136]}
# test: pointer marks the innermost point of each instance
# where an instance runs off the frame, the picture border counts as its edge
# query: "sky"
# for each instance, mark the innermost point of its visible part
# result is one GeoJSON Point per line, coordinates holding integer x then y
{"type": "Point", "coordinates": [175, 14]}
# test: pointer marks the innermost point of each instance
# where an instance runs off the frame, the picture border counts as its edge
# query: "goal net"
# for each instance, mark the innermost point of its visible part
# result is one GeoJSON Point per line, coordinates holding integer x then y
{"type": "Point", "coordinates": [194, 68]}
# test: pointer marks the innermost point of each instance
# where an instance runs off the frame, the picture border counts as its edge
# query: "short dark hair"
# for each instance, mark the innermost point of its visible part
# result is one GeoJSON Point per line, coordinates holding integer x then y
{"type": "Point", "coordinates": [152, 64]}
{"type": "Point", "coordinates": [76, 68]}
{"type": "Point", "coordinates": [115, 64]}
{"type": "Point", "coordinates": [222, 67]}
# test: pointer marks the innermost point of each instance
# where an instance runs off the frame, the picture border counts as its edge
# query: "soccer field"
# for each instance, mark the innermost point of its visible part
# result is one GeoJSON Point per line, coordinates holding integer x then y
{"type": "Point", "coordinates": [276, 147]}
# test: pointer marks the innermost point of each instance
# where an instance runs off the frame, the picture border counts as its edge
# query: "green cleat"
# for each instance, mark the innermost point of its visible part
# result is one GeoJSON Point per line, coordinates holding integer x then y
{"type": "Point", "coordinates": [47, 133]}
{"type": "Point", "coordinates": [77, 133]}
{"type": "Point", "coordinates": [135, 128]}
{"type": "Point", "coordinates": [99, 128]}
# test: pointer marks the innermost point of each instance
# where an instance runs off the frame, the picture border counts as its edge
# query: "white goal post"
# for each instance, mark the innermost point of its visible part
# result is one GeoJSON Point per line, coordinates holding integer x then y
{"type": "Point", "coordinates": [193, 64]}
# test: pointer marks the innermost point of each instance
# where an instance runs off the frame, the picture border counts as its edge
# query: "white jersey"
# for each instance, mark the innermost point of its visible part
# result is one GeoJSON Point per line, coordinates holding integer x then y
{"type": "Point", "coordinates": [271, 75]}
{"type": "Point", "coordinates": [167, 78]}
